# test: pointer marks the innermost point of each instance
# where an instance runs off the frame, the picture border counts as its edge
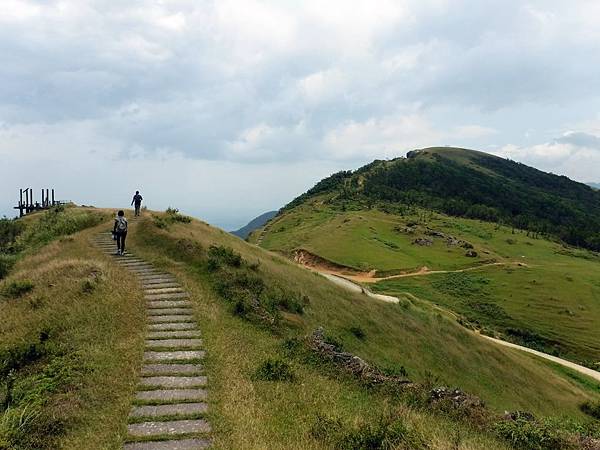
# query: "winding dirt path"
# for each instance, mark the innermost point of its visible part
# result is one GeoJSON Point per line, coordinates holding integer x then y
{"type": "Point", "coordinates": [345, 282]}
{"type": "Point", "coordinates": [368, 277]}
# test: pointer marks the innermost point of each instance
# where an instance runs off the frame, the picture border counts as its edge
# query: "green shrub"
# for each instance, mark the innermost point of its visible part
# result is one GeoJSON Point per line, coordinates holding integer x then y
{"type": "Point", "coordinates": [275, 369]}
{"type": "Point", "coordinates": [6, 264]}
{"type": "Point", "coordinates": [528, 434]}
{"type": "Point", "coordinates": [10, 229]}
{"type": "Point", "coordinates": [17, 288]}
{"type": "Point", "coordinates": [383, 433]}
{"type": "Point", "coordinates": [56, 222]}
{"type": "Point", "coordinates": [219, 256]}
{"type": "Point", "coordinates": [171, 216]}
{"type": "Point", "coordinates": [358, 332]}
{"type": "Point", "coordinates": [591, 409]}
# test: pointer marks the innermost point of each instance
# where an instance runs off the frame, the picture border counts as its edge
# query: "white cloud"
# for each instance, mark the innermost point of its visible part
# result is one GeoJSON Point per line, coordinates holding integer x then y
{"type": "Point", "coordinates": [235, 83]}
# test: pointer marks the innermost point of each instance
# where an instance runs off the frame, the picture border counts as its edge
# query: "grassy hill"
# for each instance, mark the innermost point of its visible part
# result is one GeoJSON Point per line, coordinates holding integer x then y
{"type": "Point", "coordinates": [530, 288]}
{"type": "Point", "coordinates": [268, 388]}
{"type": "Point", "coordinates": [472, 184]}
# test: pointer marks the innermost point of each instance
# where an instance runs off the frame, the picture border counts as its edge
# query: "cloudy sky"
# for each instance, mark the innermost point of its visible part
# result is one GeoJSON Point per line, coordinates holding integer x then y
{"type": "Point", "coordinates": [226, 109]}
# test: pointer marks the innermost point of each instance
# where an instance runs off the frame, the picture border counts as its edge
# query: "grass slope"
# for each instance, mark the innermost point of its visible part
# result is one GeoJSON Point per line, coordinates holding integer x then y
{"type": "Point", "coordinates": [430, 346]}
{"type": "Point", "coordinates": [546, 296]}
{"type": "Point", "coordinates": [70, 340]}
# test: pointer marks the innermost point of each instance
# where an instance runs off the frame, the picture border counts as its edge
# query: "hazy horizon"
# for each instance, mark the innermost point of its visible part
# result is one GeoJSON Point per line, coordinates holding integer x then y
{"type": "Point", "coordinates": [229, 109]}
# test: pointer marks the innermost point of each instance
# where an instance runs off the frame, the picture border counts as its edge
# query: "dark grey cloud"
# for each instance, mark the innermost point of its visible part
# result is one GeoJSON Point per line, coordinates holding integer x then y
{"type": "Point", "coordinates": [580, 139]}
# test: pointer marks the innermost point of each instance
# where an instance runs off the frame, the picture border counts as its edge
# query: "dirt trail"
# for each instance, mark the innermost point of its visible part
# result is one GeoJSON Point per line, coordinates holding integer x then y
{"type": "Point", "coordinates": [350, 285]}
{"type": "Point", "coordinates": [563, 362]}
{"type": "Point", "coordinates": [326, 267]}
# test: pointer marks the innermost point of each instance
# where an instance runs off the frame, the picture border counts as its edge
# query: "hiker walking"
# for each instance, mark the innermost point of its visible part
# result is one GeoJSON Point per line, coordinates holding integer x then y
{"type": "Point", "coordinates": [120, 232]}
{"type": "Point", "coordinates": [137, 199]}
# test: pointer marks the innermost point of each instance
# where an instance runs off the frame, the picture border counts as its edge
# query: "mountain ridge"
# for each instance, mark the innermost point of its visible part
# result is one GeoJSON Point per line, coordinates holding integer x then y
{"type": "Point", "coordinates": [473, 184]}
{"type": "Point", "coordinates": [254, 224]}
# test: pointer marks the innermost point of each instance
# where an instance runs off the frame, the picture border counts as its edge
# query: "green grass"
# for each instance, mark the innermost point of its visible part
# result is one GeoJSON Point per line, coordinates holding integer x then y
{"type": "Point", "coordinates": [546, 291]}
{"type": "Point", "coordinates": [426, 344]}
{"type": "Point", "coordinates": [69, 347]}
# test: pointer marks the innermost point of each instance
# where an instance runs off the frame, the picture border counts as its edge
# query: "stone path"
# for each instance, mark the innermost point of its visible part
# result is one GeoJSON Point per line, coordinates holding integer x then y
{"type": "Point", "coordinates": [170, 403]}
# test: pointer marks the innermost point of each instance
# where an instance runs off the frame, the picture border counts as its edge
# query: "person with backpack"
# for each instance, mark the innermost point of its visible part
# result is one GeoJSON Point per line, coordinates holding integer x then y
{"type": "Point", "coordinates": [120, 232]}
{"type": "Point", "coordinates": [137, 199]}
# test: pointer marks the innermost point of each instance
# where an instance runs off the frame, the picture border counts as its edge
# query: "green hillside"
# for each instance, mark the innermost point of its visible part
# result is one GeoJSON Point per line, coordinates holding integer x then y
{"type": "Point", "coordinates": [268, 386]}
{"type": "Point", "coordinates": [530, 288]}
{"type": "Point", "coordinates": [472, 184]}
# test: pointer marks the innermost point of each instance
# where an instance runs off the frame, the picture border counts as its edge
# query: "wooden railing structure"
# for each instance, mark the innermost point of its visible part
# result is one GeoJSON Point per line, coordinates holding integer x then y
{"type": "Point", "coordinates": [28, 204]}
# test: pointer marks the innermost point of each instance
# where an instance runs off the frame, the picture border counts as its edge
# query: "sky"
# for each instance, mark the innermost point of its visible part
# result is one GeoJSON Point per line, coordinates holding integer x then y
{"type": "Point", "coordinates": [227, 109]}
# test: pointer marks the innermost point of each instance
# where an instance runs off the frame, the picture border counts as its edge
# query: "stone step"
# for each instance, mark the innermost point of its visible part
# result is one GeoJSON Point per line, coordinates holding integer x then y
{"type": "Point", "coordinates": [171, 395]}
{"type": "Point", "coordinates": [163, 290]}
{"type": "Point", "coordinates": [170, 277]}
{"type": "Point", "coordinates": [166, 296]}
{"type": "Point", "coordinates": [172, 428]}
{"type": "Point", "coordinates": [171, 319]}
{"type": "Point", "coordinates": [160, 304]}
{"type": "Point", "coordinates": [158, 278]}
{"type": "Point", "coordinates": [171, 369]}
{"type": "Point", "coordinates": [169, 311]}
{"type": "Point", "coordinates": [173, 334]}
{"type": "Point", "coordinates": [160, 285]}
{"type": "Point", "coordinates": [173, 382]}
{"type": "Point", "coordinates": [149, 271]}
{"type": "Point", "coordinates": [174, 343]}
{"type": "Point", "coordinates": [177, 409]}
{"type": "Point", "coordinates": [147, 281]}
{"type": "Point", "coordinates": [172, 326]}
{"type": "Point", "coordinates": [183, 444]}
{"type": "Point", "coordinates": [176, 355]}
{"type": "Point", "coordinates": [136, 265]}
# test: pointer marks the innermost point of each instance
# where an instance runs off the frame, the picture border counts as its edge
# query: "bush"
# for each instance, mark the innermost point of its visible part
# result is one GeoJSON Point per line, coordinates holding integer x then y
{"type": "Point", "coordinates": [591, 409]}
{"type": "Point", "coordinates": [56, 222]}
{"type": "Point", "coordinates": [172, 216]}
{"type": "Point", "coordinates": [528, 434]}
{"type": "Point", "coordinates": [219, 256]}
{"type": "Point", "coordinates": [384, 433]}
{"type": "Point", "coordinates": [18, 288]}
{"type": "Point", "coordinates": [358, 332]}
{"type": "Point", "coordinates": [6, 264]}
{"type": "Point", "coordinates": [274, 370]}
{"type": "Point", "coordinates": [10, 229]}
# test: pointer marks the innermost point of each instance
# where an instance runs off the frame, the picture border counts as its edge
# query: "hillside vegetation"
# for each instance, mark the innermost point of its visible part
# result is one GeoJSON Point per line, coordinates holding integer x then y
{"type": "Point", "coordinates": [472, 184]}
{"type": "Point", "coordinates": [71, 334]}
{"type": "Point", "coordinates": [257, 307]}
{"type": "Point", "coordinates": [528, 286]}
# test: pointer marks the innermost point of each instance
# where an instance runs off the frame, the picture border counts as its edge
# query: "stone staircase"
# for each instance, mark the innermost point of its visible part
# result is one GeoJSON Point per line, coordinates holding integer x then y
{"type": "Point", "coordinates": [170, 402]}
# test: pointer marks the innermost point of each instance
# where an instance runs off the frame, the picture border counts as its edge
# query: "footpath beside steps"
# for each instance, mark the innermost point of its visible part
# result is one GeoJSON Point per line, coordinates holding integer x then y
{"type": "Point", "coordinates": [169, 408]}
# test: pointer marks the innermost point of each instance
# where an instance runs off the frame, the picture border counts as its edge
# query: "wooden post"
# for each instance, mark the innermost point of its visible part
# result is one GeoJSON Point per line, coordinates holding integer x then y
{"type": "Point", "coordinates": [21, 202]}
{"type": "Point", "coordinates": [52, 197]}
{"type": "Point", "coordinates": [47, 198]}
{"type": "Point", "coordinates": [26, 200]}
{"type": "Point", "coordinates": [42, 205]}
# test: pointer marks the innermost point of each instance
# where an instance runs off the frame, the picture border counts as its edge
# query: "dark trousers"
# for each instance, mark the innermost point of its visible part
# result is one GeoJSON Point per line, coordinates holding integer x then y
{"type": "Point", "coordinates": [121, 236]}
{"type": "Point", "coordinates": [137, 209]}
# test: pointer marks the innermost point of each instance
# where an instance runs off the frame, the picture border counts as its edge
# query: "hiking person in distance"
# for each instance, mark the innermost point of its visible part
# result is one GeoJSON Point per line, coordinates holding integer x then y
{"type": "Point", "coordinates": [137, 199]}
{"type": "Point", "coordinates": [120, 231]}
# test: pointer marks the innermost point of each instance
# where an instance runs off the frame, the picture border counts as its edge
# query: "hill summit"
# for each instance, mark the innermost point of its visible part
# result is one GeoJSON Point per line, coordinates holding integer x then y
{"type": "Point", "coordinates": [472, 184]}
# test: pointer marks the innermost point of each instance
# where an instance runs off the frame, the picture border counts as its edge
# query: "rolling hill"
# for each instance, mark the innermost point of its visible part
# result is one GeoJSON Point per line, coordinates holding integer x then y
{"type": "Point", "coordinates": [467, 183]}
{"type": "Point", "coordinates": [294, 361]}
{"type": "Point", "coordinates": [411, 226]}
{"type": "Point", "coordinates": [254, 224]}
